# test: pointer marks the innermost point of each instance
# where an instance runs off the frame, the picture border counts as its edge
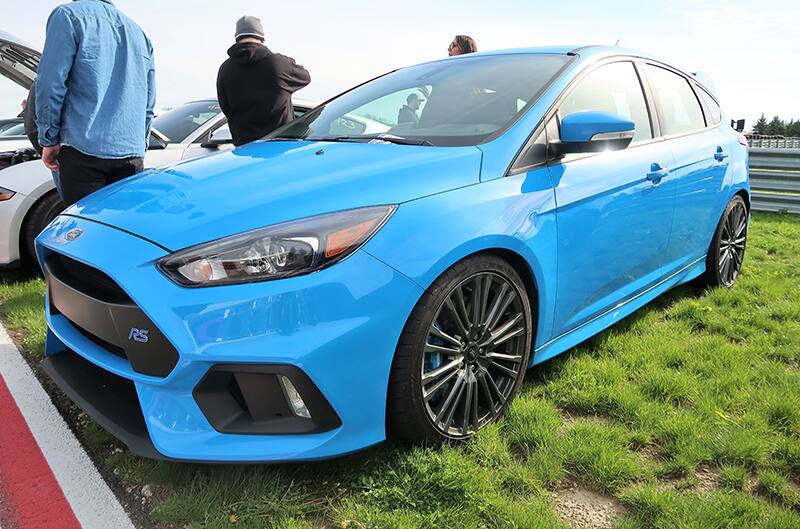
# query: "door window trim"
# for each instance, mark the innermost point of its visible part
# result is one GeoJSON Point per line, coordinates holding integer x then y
{"type": "Point", "coordinates": [553, 110]}
{"type": "Point", "coordinates": [691, 82]}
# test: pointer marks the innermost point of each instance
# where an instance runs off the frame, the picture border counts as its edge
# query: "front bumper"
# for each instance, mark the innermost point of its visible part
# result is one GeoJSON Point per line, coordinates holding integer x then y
{"type": "Point", "coordinates": [337, 327]}
{"type": "Point", "coordinates": [11, 216]}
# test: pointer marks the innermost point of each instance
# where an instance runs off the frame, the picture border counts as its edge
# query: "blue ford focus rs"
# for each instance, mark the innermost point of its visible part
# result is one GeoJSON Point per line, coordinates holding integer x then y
{"type": "Point", "coordinates": [390, 263]}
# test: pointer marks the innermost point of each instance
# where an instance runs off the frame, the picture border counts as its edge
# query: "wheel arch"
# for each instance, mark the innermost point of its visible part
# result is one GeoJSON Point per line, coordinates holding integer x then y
{"type": "Point", "coordinates": [745, 196]}
{"type": "Point", "coordinates": [22, 247]}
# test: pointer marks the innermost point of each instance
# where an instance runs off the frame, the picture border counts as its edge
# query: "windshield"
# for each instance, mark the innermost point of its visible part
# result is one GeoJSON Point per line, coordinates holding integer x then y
{"type": "Point", "coordinates": [177, 124]}
{"type": "Point", "coordinates": [16, 130]}
{"type": "Point", "coordinates": [451, 102]}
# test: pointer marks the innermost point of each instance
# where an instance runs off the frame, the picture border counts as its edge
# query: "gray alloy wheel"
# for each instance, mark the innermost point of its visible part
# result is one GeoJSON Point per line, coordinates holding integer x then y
{"type": "Point", "coordinates": [726, 253]}
{"type": "Point", "coordinates": [463, 353]}
{"type": "Point", "coordinates": [733, 238]}
{"type": "Point", "coordinates": [473, 354]}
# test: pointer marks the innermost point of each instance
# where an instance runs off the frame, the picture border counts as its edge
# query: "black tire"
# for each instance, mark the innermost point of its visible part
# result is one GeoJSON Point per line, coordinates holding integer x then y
{"type": "Point", "coordinates": [485, 366]}
{"type": "Point", "coordinates": [45, 210]}
{"type": "Point", "coordinates": [726, 253]}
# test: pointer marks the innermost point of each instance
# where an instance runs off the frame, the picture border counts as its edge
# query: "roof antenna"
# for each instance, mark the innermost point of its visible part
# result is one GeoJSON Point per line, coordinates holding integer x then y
{"type": "Point", "coordinates": [616, 44]}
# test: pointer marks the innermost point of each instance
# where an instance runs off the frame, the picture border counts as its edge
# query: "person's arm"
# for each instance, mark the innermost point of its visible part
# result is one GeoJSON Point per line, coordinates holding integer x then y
{"type": "Point", "coordinates": [221, 97]}
{"type": "Point", "coordinates": [292, 76]}
{"type": "Point", "coordinates": [151, 95]}
{"type": "Point", "coordinates": [59, 52]}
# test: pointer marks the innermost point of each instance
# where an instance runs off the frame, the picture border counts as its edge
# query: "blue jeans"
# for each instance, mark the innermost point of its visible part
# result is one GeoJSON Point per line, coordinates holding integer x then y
{"type": "Point", "coordinates": [57, 180]}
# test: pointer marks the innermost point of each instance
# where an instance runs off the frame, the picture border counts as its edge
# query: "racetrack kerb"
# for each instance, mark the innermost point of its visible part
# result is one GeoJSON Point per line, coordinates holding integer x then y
{"type": "Point", "coordinates": [686, 414]}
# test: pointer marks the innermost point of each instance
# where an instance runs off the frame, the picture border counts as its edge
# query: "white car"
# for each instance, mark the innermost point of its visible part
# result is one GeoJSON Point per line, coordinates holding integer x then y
{"type": "Point", "coordinates": [28, 197]}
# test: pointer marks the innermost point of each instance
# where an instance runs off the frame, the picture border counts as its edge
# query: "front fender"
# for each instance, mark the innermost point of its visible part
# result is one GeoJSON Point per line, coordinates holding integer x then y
{"type": "Point", "coordinates": [425, 237]}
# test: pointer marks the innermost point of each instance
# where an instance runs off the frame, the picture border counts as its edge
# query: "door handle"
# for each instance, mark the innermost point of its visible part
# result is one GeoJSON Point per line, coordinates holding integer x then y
{"type": "Point", "coordinates": [657, 173]}
{"type": "Point", "coordinates": [720, 154]}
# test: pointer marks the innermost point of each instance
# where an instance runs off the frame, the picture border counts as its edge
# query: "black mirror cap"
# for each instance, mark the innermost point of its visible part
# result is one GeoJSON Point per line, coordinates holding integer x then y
{"type": "Point", "coordinates": [558, 148]}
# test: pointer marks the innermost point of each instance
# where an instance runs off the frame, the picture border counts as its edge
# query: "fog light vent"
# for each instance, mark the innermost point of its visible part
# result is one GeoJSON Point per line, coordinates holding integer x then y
{"type": "Point", "coordinates": [293, 398]}
{"type": "Point", "coordinates": [263, 399]}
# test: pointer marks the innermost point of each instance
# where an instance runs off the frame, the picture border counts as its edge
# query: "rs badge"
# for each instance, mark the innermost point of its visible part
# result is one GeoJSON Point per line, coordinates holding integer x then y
{"type": "Point", "coordinates": [139, 335]}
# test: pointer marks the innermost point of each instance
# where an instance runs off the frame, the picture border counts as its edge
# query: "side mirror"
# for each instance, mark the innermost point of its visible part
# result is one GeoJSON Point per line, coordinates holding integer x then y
{"type": "Point", "coordinates": [220, 137]}
{"type": "Point", "coordinates": [155, 143]}
{"type": "Point", "coordinates": [593, 131]}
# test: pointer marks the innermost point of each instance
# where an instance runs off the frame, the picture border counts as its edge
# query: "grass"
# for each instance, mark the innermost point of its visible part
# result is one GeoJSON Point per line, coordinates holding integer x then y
{"type": "Point", "coordinates": [696, 380]}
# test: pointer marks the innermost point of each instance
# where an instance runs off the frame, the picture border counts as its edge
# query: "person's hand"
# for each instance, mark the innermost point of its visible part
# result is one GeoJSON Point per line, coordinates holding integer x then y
{"type": "Point", "coordinates": [50, 156]}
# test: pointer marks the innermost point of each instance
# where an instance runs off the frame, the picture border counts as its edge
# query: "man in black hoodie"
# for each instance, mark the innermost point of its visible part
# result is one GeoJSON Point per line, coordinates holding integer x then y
{"type": "Point", "coordinates": [255, 86]}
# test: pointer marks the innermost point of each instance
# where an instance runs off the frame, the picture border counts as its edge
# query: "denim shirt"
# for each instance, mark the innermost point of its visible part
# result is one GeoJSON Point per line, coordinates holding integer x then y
{"type": "Point", "coordinates": [95, 89]}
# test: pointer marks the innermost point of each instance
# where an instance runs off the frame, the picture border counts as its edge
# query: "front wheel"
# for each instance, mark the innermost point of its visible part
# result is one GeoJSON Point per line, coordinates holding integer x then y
{"type": "Point", "coordinates": [726, 253]}
{"type": "Point", "coordinates": [463, 353]}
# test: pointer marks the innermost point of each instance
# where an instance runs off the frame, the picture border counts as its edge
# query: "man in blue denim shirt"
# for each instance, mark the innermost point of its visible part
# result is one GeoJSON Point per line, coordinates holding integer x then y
{"type": "Point", "coordinates": [95, 94]}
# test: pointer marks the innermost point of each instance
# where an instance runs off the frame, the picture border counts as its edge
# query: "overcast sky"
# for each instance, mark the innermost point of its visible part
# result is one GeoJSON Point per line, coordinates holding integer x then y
{"type": "Point", "coordinates": [749, 48]}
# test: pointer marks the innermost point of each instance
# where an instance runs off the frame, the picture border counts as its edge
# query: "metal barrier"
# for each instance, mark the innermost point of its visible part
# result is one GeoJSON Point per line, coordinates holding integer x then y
{"type": "Point", "coordinates": [775, 179]}
{"type": "Point", "coordinates": [773, 142]}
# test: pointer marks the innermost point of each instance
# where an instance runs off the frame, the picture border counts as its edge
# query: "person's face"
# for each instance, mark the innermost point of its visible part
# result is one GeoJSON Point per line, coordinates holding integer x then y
{"type": "Point", "coordinates": [454, 49]}
{"type": "Point", "coordinates": [414, 104]}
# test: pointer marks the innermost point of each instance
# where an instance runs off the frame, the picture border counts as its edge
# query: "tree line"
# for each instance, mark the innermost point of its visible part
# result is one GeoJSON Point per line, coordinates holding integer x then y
{"type": "Point", "coordinates": [777, 127]}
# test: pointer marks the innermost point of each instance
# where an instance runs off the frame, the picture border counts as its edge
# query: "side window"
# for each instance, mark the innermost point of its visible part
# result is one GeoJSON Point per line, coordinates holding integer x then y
{"type": "Point", "coordinates": [611, 88]}
{"type": "Point", "coordinates": [715, 113]}
{"type": "Point", "coordinates": [675, 98]}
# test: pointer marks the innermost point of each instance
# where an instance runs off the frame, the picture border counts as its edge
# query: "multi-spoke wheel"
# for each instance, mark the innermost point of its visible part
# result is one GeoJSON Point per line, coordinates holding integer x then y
{"type": "Point", "coordinates": [726, 254]}
{"type": "Point", "coordinates": [463, 352]}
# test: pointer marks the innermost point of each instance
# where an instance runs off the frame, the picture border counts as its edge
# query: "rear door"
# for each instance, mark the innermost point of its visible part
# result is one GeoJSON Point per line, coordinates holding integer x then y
{"type": "Point", "coordinates": [700, 150]}
{"type": "Point", "coordinates": [614, 209]}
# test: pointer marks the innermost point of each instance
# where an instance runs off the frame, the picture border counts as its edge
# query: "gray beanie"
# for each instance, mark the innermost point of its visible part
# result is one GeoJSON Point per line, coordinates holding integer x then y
{"type": "Point", "coordinates": [249, 26]}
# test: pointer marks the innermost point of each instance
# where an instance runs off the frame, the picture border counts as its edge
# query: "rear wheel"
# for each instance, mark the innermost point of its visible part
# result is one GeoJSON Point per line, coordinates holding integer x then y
{"type": "Point", "coordinates": [463, 353]}
{"type": "Point", "coordinates": [726, 254]}
{"type": "Point", "coordinates": [45, 210]}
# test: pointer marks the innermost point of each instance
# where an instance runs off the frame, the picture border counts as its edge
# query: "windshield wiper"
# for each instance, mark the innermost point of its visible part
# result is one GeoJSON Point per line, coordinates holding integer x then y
{"type": "Point", "coordinates": [283, 138]}
{"type": "Point", "coordinates": [378, 138]}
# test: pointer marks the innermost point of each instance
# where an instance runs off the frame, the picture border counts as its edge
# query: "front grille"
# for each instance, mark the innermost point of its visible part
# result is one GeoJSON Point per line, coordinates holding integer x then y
{"type": "Point", "coordinates": [108, 346]}
{"type": "Point", "coordinates": [96, 307]}
{"type": "Point", "coordinates": [86, 279]}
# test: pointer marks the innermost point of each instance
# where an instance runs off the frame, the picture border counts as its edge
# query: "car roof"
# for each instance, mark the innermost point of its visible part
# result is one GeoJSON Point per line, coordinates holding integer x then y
{"type": "Point", "coordinates": [589, 52]}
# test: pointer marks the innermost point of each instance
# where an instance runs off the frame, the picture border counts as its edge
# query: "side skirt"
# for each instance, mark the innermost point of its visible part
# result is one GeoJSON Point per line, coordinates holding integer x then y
{"type": "Point", "coordinates": [605, 320]}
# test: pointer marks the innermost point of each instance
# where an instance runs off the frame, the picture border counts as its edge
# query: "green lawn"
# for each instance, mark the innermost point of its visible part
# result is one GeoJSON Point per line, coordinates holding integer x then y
{"type": "Point", "coordinates": [688, 413]}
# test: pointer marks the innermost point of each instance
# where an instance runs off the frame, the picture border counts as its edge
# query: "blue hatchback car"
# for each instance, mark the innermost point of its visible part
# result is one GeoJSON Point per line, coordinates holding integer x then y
{"type": "Point", "coordinates": [390, 263]}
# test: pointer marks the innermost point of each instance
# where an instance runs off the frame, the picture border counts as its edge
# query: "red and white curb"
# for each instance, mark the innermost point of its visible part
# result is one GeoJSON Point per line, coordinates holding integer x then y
{"type": "Point", "coordinates": [46, 478]}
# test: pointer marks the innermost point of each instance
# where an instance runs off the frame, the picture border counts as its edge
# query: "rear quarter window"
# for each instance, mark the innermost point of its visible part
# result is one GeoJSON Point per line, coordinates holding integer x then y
{"type": "Point", "coordinates": [714, 112]}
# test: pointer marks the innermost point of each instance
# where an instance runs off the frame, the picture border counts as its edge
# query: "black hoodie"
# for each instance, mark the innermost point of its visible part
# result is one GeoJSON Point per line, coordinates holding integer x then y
{"type": "Point", "coordinates": [255, 89]}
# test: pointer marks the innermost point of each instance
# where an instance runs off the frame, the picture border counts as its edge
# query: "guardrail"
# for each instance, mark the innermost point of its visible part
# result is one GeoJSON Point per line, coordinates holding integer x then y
{"type": "Point", "coordinates": [773, 142]}
{"type": "Point", "coordinates": [775, 179]}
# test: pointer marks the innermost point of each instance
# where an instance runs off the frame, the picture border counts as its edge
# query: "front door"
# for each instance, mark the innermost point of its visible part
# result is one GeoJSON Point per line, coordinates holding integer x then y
{"type": "Point", "coordinates": [614, 209]}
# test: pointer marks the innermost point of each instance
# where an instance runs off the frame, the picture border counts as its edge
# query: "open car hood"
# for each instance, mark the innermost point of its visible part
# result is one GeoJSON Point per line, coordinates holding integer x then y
{"type": "Point", "coordinates": [18, 60]}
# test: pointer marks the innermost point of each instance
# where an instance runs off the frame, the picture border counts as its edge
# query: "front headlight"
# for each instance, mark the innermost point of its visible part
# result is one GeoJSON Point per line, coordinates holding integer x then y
{"type": "Point", "coordinates": [6, 194]}
{"type": "Point", "coordinates": [276, 252]}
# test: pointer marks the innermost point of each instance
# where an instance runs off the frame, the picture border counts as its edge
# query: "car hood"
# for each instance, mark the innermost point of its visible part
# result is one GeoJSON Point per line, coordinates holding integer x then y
{"type": "Point", "coordinates": [266, 183]}
{"type": "Point", "coordinates": [18, 60]}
